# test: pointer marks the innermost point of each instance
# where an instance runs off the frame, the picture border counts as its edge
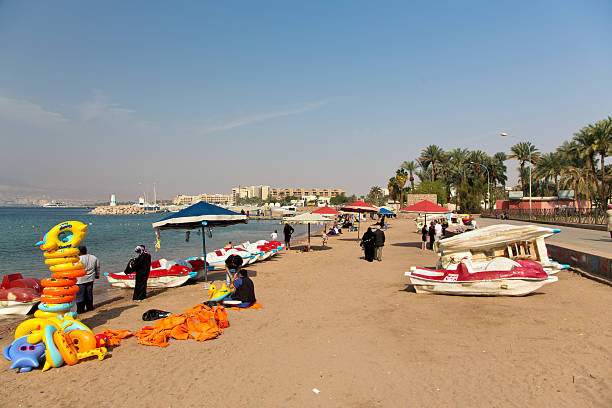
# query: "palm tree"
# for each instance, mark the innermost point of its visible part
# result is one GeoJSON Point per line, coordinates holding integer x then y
{"type": "Point", "coordinates": [602, 145]}
{"type": "Point", "coordinates": [401, 176]}
{"type": "Point", "coordinates": [430, 156]}
{"type": "Point", "coordinates": [523, 152]}
{"type": "Point", "coordinates": [549, 167]}
{"type": "Point", "coordinates": [393, 188]}
{"type": "Point", "coordinates": [410, 167]}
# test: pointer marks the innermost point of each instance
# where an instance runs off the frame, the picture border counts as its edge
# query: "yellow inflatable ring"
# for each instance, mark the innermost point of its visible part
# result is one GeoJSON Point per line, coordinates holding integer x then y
{"type": "Point", "coordinates": [66, 267]}
{"type": "Point", "coordinates": [61, 253]}
{"type": "Point", "coordinates": [59, 261]}
{"type": "Point", "coordinates": [45, 315]}
{"type": "Point", "coordinates": [68, 234]}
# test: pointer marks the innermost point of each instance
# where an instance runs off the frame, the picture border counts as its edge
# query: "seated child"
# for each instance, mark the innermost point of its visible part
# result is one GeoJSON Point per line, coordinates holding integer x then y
{"type": "Point", "coordinates": [245, 289]}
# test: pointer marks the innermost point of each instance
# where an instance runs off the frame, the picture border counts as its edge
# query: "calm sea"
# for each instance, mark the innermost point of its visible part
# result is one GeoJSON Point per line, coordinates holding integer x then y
{"type": "Point", "coordinates": [111, 238]}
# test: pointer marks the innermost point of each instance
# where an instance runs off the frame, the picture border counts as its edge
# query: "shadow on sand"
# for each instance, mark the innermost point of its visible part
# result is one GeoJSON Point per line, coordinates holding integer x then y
{"type": "Point", "coordinates": [408, 244]}
{"type": "Point", "coordinates": [101, 317]}
{"type": "Point", "coordinates": [302, 248]}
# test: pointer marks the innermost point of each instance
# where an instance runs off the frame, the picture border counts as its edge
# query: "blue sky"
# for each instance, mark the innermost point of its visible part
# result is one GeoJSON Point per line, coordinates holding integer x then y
{"type": "Point", "coordinates": [202, 96]}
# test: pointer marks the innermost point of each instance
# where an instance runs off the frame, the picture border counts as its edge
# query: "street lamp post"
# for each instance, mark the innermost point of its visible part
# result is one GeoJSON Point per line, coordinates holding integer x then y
{"type": "Point", "coordinates": [530, 163]}
{"type": "Point", "coordinates": [488, 178]}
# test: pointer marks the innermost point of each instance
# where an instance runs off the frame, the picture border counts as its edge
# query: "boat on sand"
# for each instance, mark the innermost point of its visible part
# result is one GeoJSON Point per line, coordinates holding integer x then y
{"type": "Point", "coordinates": [501, 278]}
{"type": "Point", "coordinates": [18, 294]}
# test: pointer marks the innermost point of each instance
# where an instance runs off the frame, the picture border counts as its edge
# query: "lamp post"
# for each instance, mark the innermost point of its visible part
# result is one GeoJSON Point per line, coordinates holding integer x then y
{"type": "Point", "coordinates": [488, 192]}
{"type": "Point", "coordinates": [505, 135]}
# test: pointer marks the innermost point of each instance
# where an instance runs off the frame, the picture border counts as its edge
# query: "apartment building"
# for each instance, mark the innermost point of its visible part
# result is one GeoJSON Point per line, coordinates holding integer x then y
{"type": "Point", "coordinates": [279, 193]}
{"type": "Point", "coordinates": [261, 192]}
{"type": "Point", "coordinates": [217, 199]}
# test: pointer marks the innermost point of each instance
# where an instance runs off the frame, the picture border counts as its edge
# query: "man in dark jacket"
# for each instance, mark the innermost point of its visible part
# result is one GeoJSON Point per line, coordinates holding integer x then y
{"type": "Point", "coordinates": [379, 242]}
{"type": "Point", "coordinates": [245, 289]}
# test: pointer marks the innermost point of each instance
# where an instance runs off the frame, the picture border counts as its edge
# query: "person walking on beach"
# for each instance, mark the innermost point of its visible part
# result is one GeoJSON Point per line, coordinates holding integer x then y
{"type": "Point", "coordinates": [379, 243]}
{"type": "Point", "coordinates": [84, 297]}
{"type": "Point", "coordinates": [609, 215]}
{"type": "Point", "coordinates": [141, 266]}
{"type": "Point", "coordinates": [274, 235]}
{"type": "Point", "coordinates": [368, 244]}
{"type": "Point", "coordinates": [324, 238]}
{"type": "Point", "coordinates": [287, 231]}
{"type": "Point", "coordinates": [424, 237]}
{"type": "Point", "coordinates": [432, 235]}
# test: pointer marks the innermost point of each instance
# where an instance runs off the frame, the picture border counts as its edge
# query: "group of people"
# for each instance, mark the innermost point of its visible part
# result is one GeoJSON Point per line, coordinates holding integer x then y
{"type": "Point", "coordinates": [435, 232]}
{"type": "Point", "coordinates": [372, 243]}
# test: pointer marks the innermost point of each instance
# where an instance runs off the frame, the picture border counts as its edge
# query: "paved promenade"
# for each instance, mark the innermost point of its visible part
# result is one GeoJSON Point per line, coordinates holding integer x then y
{"type": "Point", "coordinates": [580, 239]}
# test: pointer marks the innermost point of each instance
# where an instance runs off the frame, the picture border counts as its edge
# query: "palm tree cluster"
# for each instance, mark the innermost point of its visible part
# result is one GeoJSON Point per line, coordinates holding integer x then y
{"type": "Point", "coordinates": [579, 165]}
{"type": "Point", "coordinates": [461, 175]}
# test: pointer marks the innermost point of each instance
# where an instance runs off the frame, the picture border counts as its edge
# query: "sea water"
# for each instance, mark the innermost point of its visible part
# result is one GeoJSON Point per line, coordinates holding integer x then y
{"type": "Point", "coordinates": [111, 238]}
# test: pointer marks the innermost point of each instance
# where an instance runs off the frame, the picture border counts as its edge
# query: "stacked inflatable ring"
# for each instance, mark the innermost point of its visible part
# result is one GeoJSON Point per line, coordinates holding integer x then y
{"type": "Point", "coordinates": [62, 256]}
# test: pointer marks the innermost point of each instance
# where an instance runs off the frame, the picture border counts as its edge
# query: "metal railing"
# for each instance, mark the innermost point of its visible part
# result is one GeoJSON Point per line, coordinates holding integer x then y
{"type": "Point", "coordinates": [590, 216]}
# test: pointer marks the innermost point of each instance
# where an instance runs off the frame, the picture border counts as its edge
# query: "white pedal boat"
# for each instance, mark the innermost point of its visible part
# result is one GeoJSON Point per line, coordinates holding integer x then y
{"type": "Point", "coordinates": [519, 280]}
{"type": "Point", "coordinates": [516, 242]}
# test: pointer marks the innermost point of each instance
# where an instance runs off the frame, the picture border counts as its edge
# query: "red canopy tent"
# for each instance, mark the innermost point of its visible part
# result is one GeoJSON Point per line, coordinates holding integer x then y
{"type": "Point", "coordinates": [359, 207]}
{"type": "Point", "coordinates": [426, 207]}
{"type": "Point", "coordinates": [326, 211]}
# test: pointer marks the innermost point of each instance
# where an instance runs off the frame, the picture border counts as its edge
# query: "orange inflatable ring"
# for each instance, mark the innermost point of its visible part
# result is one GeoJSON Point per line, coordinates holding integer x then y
{"type": "Point", "coordinates": [61, 253]}
{"type": "Point", "coordinates": [57, 299]}
{"type": "Point", "coordinates": [68, 274]}
{"type": "Point", "coordinates": [60, 291]}
{"type": "Point", "coordinates": [66, 348]}
{"type": "Point", "coordinates": [57, 282]}
{"type": "Point", "coordinates": [66, 267]}
{"type": "Point", "coordinates": [59, 261]}
{"type": "Point", "coordinates": [82, 340]}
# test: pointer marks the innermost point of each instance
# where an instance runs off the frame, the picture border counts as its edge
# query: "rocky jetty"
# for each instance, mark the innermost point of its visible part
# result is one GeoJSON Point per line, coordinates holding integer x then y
{"type": "Point", "coordinates": [118, 210]}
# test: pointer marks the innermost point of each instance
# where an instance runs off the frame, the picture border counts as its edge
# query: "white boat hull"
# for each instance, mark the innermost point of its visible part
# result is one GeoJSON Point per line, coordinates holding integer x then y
{"type": "Point", "coordinates": [499, 287]}
{"type": "Point", "coordinates": [156, 282]}
{"type": "Point", "coordinates": [10, 307]}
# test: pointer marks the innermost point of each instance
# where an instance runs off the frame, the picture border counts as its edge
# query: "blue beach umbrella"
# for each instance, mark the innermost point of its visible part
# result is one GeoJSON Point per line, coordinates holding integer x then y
{"type": "Point", "coordinates": [200, 215]}
{"type": "Point", "coordinates": [384, 211]}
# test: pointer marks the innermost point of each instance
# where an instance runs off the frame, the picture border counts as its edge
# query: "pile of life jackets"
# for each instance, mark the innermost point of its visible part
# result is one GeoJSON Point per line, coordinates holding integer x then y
{"type": "Point", "coordinates": [199, 322]}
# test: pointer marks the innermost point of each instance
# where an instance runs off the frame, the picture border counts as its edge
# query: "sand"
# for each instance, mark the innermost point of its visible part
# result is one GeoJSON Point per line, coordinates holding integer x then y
{"type": "Point", "coordinates": [356, 332]}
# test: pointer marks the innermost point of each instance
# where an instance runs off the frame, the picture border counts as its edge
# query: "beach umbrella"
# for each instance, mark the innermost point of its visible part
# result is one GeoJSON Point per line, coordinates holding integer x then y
{"type": "Point", "coordinates": [384, 211]}
{"type": "Point", "coordinates": [200, 215]}
{"type": "Point", "coordinates": [327, 211]}
{"type": "Point", "coordinates": [426, 207]}
{"type": "Point", "coordinates": [306, 218]}
{"type": "Point", "coordinates": [359, 207]}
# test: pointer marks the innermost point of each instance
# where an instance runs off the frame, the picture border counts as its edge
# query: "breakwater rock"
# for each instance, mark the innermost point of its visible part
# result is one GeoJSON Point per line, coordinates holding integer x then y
{"type": "Point", "coordinates": [118, 210]}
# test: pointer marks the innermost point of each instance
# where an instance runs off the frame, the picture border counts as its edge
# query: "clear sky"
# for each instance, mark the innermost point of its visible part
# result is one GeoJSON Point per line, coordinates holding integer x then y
{"type": "Point", "coordinates": [111, 96]}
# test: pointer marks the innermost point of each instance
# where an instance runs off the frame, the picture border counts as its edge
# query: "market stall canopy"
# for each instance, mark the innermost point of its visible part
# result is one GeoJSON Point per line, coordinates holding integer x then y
{"type": "Point", "coordinates": [306, 218]}
{"type": "Point", "coordinates": [427, 207]}
{"type": "Point", "coordinates": [326, 211]}
{"type": "Point", "coordinates": [359, 206]}
{"type": "Point", "coordinates": [384, 211]}
{"type": "Point", "coordinates": [193, 216]}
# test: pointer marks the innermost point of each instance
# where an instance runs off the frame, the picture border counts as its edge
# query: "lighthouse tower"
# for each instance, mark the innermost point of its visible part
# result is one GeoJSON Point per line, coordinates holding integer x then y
{"type": "Point", "coordinates": [113, 202]}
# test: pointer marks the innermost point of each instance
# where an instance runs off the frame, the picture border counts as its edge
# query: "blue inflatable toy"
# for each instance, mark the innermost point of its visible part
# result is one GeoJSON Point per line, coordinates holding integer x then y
{"type": "Point", "coordinates": [23, 355]}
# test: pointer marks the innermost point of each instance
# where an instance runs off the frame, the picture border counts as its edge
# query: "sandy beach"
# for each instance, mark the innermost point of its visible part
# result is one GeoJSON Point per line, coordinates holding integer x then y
{"type": "Point", "coordinates": [356, 332]}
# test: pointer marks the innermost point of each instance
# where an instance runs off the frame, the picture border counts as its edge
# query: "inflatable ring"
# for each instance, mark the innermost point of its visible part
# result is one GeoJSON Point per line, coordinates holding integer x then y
{"type": "Point", "coordinates": [62, 282]}
{"type": "Point", "coordinates": [57, 299]}
{"type": "Point", "coordinates": [66, 267]}
{"type": "Point", "coordinates": [62, 253]}
{"type": "Point", "coordinates": [28, 326]}
{"type": "Point", "coordinates": [65, 347]}
{"type": "Point", "coordinates": [59, 261]}
{"type": "Point", "coordinates": [52, 354]}
{"type": "Point", "coordinates": [82, 340]}
{"type": "Point", "coordinates": [68, 234]}
{"type": "Point", "coordinates": [68, 274]}
{"type": "Point", "coordinates": [60, 291]}
{"type": "Point", "coordinates": [62, 307]}
{"type": "Point", "coordinates": [46, 315]}
{"type": "Point", "coordinates": [36, 336]}
{"type": "Point", "coordinates": [76, 325]}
